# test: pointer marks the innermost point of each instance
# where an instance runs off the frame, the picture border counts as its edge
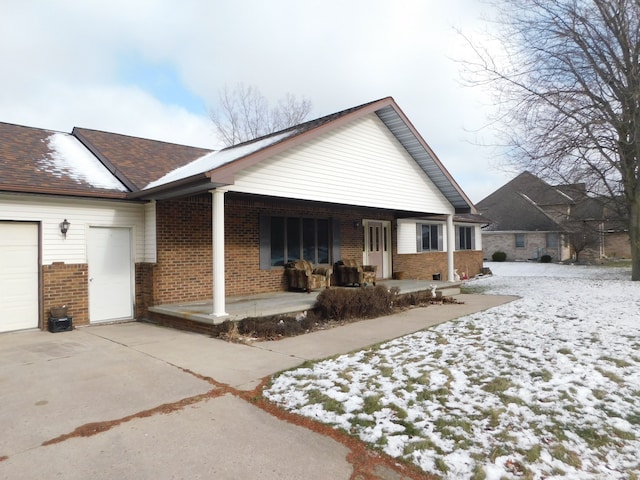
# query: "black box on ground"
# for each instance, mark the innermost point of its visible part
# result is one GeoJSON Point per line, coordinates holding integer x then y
{"type": "Point", "coordinates": [60, 324]}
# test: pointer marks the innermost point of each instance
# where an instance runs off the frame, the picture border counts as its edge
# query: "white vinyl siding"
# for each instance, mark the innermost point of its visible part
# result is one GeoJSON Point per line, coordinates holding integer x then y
{"type": "Point", "coordinates": [150, 252]}
{"type": "Point", "coordinates": [81, 214]}
{"type": "Point", "coordinates": [361, 163]}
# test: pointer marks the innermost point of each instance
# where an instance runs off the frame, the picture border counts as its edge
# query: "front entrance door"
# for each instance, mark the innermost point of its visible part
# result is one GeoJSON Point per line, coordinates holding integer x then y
{"type": "Point", "coordinates": [110, 274]}
{"type": "Point", "coordinates": [377, 246]}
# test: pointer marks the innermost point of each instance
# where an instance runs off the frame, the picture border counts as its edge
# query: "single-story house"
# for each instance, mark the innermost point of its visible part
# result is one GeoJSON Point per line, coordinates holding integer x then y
{"type": "Point", "coordinates": [530, 218]}
{"type": "Point", "coordinates": [110, 225]}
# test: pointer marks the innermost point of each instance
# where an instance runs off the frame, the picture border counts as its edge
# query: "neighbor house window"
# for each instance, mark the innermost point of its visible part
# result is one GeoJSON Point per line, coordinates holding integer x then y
{"type": "Point", "coordinates": [552, 240]}
{"type": "Point", "coordinates": [429, 237]}
{"type": "Point", "coordinates": [294, 238]}
{"type": "Point", "coordinates": [519, 240]}
{"type": "Point", "coordinates": [465, 238]}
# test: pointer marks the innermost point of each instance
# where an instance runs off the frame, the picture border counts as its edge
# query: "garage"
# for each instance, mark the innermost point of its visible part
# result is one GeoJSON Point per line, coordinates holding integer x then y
{"type": "Point", "coordinates": [18, 275]}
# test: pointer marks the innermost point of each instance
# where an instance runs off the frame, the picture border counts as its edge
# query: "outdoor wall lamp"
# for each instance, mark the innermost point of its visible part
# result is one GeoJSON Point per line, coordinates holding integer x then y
{"type": "Point", "coordinates": [64, 227]}
{"type": "Point", "coordinates": [356, 224]}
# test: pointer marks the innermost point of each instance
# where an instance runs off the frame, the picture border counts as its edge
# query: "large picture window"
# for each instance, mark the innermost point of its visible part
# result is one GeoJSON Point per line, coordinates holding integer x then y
{"type": "Point", "coordinates": [294, 238]}
{"type": "Point", "coordinates": [429, 237]}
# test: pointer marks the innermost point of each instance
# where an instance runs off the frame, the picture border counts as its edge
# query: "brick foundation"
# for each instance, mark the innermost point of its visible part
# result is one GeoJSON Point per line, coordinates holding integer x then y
{"type": "Point", "coordinates": [66, 284]}
{"type": "Point", "coordinates": [423, 266]}
{"type": "Point", "coordinates": [144, 288]}
{"type": "Point", "coordinates": [180, 323]}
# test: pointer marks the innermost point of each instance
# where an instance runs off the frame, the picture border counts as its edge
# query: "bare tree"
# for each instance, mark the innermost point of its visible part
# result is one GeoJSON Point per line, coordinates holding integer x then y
{"type": "Point", "coordinates": [568, 89]}
{"type": "Point", "coordinates": [583, 236]}
{"type": "Point", "coordinates": [245, 114]}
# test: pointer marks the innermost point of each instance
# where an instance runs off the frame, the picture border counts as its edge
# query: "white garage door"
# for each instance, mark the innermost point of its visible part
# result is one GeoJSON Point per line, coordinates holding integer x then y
{"type": "Point", "coordinates": [18, 276]}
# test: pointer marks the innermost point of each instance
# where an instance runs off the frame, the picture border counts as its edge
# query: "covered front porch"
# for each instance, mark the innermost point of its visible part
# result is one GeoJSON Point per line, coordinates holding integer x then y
{"type": "Point", "coordinates": [276, 303]}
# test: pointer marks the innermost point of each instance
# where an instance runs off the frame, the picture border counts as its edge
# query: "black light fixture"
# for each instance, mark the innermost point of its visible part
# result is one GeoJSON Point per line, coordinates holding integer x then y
{"type": "Point", "coordinates": [64, 227]}
{"type": "Point", "coordinates": [357, 224]}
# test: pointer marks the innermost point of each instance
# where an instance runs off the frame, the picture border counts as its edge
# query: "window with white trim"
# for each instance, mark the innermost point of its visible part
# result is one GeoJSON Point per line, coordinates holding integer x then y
{"type": "Point", "coordinates": [429, 237]}
{"type": "Point", "coordinates": [465, 238]}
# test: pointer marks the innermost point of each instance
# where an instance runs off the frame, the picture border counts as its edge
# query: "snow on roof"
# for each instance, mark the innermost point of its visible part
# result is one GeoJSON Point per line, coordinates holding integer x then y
{"type": "Point", "coordinates": [67, 157]}
{"type": "Point", "coordinates": [217, 159]}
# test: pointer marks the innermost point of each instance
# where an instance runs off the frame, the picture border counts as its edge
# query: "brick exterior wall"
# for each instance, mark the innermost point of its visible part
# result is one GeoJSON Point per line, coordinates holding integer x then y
{"type": "Point", "coordinates": [534, 242]}
{"type": "Point", "coordinates": [423, 266]}
{"type": "Point", "coordinates": [184, 244]}
{"type": "Point", "coordinates": [180, 323]}
{"type": "Point", "coordinates": [66, 284]}
{"type": "Point", "coordinates": [468, 261]}
{"type": "Point", "coordinates": [617, 245]}
{"type": "Point", "coordinates": [184, 247]}
{"type": "Point", "coordinates": [184, 261]}
{"type": "Point", "coordinates": [144, 288]}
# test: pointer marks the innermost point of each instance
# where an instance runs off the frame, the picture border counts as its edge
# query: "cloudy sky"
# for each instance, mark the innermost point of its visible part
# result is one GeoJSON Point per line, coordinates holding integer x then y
{"type": "Point", "coordinates": [155, 68]}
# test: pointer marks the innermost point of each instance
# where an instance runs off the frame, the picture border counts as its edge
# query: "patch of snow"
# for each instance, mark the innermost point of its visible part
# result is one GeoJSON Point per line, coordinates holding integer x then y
{"type": "Point", "coordinates": [67, 157]}
{"type": "Point", "coordinates": [213, 160]}
{"type": "Point", "coordinates": [546, 384]}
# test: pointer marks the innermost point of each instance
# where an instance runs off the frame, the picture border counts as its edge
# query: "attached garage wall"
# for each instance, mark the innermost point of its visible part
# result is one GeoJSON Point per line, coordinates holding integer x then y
{"type": "Point", "coordinates": [63, 262]}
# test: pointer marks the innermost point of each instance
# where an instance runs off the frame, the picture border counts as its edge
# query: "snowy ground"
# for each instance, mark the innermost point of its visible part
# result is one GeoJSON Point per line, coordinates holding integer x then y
{"type": "Point", "coordinates": [547, 386]}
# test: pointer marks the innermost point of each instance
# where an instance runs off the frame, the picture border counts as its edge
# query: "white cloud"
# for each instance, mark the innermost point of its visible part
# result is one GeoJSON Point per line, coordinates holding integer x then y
{"type": "Point", "coordinates": [64, 65]}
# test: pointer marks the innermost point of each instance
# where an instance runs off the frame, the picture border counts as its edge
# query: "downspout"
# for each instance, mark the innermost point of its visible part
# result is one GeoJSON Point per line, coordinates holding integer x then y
{"type": "Point", "coordinates": [217, 224]}
{"type": "Point", "coordinates": [451, 245]}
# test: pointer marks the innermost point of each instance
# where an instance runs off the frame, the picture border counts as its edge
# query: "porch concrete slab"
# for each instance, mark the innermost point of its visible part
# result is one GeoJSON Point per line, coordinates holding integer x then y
{"type": "Point", "coordinates": [221, 438]}
{"type": "Point", "coordinates": [279, 303]}
{"type": "Point", "coordinates": [51, 383]}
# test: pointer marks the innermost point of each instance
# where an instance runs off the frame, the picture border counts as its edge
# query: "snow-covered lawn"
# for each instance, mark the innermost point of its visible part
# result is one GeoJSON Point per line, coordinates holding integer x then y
{"type": "Point", "coordinates": [547, 386]}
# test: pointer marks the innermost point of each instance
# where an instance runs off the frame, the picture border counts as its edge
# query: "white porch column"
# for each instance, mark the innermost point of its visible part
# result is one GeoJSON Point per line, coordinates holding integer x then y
{"type": "Point", "coordinates": [451, 246]}
{"type": "Point", "coordinates": [217, 224]}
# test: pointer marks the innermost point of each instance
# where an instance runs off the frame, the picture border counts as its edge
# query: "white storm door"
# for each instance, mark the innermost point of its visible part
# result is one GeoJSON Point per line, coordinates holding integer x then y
{"type": "Point", "coordinates": [18, 276]}
{"type": "Point", "coordinates": [110, 274]}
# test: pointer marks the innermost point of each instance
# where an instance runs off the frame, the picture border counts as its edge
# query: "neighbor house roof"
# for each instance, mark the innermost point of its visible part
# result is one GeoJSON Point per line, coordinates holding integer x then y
{"type": "Point", "coordinates": [514, 211]}
{"type": "Point", "coordinates": [515, 206]}
{"type": "Point", "coordinates": [521, 205]}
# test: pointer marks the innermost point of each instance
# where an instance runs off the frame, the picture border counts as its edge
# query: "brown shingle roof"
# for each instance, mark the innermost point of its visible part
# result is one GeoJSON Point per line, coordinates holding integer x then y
{"type": "Point", "coordinates": [137, 161]}
{"type": "Point", "coordinates": [30, 162]}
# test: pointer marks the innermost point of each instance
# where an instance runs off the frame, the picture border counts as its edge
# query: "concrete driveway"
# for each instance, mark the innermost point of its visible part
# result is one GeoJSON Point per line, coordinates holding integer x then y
{"type": "Point", "coordinates": [137, 401]}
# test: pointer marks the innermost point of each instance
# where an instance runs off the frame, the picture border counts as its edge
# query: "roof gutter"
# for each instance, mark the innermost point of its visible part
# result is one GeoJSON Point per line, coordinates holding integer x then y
{"type": "Point", "coordinates": [193, 184]}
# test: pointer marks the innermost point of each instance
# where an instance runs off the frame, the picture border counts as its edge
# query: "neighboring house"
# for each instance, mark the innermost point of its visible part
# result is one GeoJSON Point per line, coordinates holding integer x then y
{"type": "Point", "coordinates": [530, 218]}
{"type": "Point", "coordinates": [153, 223]}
